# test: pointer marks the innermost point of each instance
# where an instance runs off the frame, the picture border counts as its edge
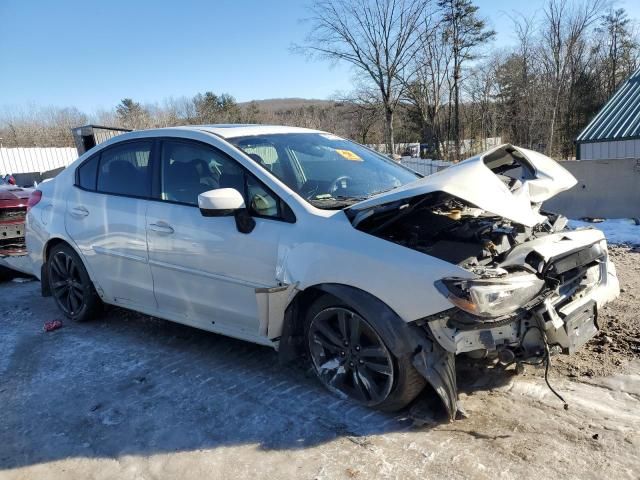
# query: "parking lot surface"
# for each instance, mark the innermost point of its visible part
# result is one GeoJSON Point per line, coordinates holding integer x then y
{"type": "Point", "coordinates": [131, 397]}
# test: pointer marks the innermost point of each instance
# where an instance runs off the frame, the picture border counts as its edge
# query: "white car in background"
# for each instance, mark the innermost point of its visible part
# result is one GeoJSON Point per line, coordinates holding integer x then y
{"type": "Point", "coordinates": [318, 246]}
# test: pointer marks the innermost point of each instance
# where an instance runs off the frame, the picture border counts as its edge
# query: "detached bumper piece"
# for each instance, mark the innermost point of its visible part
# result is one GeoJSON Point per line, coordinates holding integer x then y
{"type": "Point", "coordinates": [581, 326]}
{"type": "Point", "coordinates": [573, 330]}
{"type": "Point", "coordinates": [438, 367]}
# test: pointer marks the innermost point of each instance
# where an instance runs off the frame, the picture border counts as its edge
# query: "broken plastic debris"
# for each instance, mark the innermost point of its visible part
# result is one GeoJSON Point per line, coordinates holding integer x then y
{"type": "Point", "coordinates": [461, 413]}
{"type": "Point", "coordinates": [52, 325]}
{"type": "Point", "coordinates": [21, 279]}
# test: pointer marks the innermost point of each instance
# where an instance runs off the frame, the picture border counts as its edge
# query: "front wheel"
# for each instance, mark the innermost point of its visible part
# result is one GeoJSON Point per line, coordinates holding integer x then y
{"type": "Point", "coordinates": [351, 359]}
{"type": "Point", "coordinates": [70, 284]}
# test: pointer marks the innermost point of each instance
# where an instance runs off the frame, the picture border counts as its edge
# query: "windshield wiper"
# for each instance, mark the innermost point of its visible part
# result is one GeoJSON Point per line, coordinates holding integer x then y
{"type": "Point", "coordinates": [330, 203]}
{"type": "Point", "coordinates": [347, 198]}
{"type": "Point", "coordinates": [380, 191]}
{"type": "Point", "coordinates": [341, 201]}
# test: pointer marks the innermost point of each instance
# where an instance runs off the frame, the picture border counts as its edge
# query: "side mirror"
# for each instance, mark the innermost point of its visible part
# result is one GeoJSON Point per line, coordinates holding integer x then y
{"type": "Point", "coordinates": [226, 202]}
{"type": "Point", "coordinates": [220, 202]}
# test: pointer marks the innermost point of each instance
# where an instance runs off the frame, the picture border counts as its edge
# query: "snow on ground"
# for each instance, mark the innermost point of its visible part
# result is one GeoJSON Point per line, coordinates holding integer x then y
{"type": "Point", "coordinates": [618, 231]}
{"type": "Point", "coordinates": [127, 396]}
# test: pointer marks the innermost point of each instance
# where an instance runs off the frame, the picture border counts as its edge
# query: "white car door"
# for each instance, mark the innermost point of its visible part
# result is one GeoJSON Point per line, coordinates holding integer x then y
{"type": "Point", "coordinates": [205, 271]}
{"type": "Point", "coordinates": [105, 218]}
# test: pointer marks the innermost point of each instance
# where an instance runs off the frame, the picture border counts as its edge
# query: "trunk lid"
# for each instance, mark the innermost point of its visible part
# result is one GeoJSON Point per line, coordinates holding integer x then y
{"type": "Point", "coordinates": [507, 181]}
{"type": "Point", "coordinates": [14, 196]}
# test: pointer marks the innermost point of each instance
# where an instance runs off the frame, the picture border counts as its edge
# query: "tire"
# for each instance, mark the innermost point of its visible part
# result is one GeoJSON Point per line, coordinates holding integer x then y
{"type": "Point", "coordinates": [6, 274]}
{"type": "Point", "coordinates": [70, 285]}
{"type": "Point", "coordinates": [351, 359]}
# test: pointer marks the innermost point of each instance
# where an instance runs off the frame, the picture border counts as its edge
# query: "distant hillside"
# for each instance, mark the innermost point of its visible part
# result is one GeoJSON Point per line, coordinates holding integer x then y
{"type": "Point", "coordinates": [279, 104]}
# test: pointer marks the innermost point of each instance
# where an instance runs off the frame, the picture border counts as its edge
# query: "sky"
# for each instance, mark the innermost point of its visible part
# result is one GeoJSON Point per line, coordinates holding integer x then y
{"type": "Point", "coordinates": [91, 54]}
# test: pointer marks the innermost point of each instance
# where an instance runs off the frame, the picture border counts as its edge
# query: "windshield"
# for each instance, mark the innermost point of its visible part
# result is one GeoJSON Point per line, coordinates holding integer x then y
{"type": "Point", "coordinates": [326, 170]}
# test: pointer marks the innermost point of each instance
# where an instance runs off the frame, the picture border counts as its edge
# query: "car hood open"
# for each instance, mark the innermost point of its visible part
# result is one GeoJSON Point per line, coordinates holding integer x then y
{"type": "Point", "coordinates": [481, 182]}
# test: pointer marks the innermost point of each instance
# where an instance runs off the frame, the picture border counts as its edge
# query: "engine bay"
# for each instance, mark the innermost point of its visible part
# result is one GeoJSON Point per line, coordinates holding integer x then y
{"type": "Point", "coordinates": [447, 228]}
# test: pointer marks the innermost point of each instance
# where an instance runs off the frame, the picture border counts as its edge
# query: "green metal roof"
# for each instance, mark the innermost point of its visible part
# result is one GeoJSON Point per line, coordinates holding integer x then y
{"type": "Point", "coordinates": [619, 119]}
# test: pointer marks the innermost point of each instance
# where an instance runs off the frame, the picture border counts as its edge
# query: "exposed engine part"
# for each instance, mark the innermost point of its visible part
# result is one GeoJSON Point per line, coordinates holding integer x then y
{"type": "Point", "coordinates": [506, 356]}
{"type": "Point", "coordinates": [450, 229]}
{"type": "Point", "coordinates": [525, 301]}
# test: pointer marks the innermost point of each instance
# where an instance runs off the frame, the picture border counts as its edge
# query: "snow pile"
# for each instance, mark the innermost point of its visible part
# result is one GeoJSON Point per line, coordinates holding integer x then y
{"type": "Point", "coordinates": [618, 231]}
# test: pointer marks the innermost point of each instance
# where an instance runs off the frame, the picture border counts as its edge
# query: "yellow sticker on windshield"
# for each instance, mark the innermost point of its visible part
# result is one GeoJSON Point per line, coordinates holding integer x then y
{"type": "Point", "coordinates": [349, 155]}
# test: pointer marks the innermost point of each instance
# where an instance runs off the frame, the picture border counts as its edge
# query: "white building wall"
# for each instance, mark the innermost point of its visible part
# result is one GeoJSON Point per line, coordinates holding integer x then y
{"type": "Point", "coordinates": [25, 160]}
{"type": "Point", "coordinates": [617, 149]}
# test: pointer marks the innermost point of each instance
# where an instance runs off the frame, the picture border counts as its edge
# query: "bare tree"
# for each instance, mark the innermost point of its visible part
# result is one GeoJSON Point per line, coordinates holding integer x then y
{"type": "Point", "coordinates": [565, 25]}
{"type": "Point", "coordinates": [427, 86]}
{"type": "Point", "coordinates": [466, 32]}
{"type": "Point", "coordinates": [377, 37]}
{"type": "Point", "coordinates": [481, 113]}
{"type": "Point", "coordinates": [363, 109]}
{"type": "Point", "coordinates": [519, 91]}
{"type": "Point", "coordinates": [40, 127]}
{"type": "Point", "coordinates": [539, 92]}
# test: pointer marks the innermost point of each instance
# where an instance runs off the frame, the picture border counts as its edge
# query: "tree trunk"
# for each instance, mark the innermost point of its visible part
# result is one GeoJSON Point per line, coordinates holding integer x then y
{"type": "Point", "coordinates": [456, 114]}
{"type": "Point", "coordinates": [425, 130]}
{"type": "Point", "coordinates": [388, 131]}
{"type": "Point", "coordinates": [554, 114]}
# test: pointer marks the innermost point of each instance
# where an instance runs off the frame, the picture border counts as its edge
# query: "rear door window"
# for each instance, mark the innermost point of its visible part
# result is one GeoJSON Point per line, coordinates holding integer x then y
{"type": "Point", "coordinates": [126, 170]}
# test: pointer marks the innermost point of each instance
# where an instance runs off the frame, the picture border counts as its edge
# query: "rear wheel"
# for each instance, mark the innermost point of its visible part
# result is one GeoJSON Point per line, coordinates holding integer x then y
{"type": "Point", "coordinates": [5, 274]}
{"type": "Point", "coordinates": [351, 359]}
{"type": "Point", "coordinates": [70, 284]}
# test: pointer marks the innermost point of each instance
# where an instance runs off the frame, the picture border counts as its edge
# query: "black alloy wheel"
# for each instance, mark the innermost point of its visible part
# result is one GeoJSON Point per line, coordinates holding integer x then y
{"type": "Point", "coordinates": [70, 284]}
{"type": "Point", "coordinates": [349, 356]}
{"type": "Point", "coordinates": [66, 285]}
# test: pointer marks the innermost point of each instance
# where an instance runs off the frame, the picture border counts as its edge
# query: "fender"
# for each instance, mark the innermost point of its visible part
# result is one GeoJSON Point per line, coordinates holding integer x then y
{"type": "Point", "coordinates": [45, 291]}
{"type": "Point", "coordinates": [435, 364]}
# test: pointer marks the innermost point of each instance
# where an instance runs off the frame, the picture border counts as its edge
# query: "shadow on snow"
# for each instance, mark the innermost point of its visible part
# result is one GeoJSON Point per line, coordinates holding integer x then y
{"type": "Point", "coordinates": [128, 384]}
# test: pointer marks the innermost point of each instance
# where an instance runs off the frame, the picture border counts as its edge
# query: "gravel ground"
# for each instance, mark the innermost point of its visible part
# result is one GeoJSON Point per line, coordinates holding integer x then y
{"type": "Point", "coordinates": [618, 341]}
{"type": "Point", "coordinates": [131, 397]}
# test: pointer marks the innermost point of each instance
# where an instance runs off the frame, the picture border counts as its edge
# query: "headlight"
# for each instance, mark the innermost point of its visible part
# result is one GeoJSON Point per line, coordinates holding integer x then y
{"type": "Point", "coordinates": [491, 297]}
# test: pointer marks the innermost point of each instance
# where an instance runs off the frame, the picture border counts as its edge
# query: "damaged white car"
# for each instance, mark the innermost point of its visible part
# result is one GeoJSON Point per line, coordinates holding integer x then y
{"type": "Point", "coordinates": [320, 247]}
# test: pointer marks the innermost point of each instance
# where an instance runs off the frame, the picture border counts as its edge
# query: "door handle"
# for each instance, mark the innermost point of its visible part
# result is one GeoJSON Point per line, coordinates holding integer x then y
{"type": "Point", "coordinates": [161, 227]}
{"type": "Point", "coordinates": [79, 212]}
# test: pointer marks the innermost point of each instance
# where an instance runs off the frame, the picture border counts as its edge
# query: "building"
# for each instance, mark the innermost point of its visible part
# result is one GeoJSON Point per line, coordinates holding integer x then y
{"type": "Point", "coordinates": [89, 136]}
{"type": "Point", "coordinates": [614, 133]}
{"type": "Point", "coordinates": [28, 164]}
{"type": "Point", "coordinates": [34, 164]}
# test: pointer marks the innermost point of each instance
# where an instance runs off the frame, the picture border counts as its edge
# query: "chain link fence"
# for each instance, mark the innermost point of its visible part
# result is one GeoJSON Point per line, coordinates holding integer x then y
{"type": "Point", "coordinates": [424, 166]}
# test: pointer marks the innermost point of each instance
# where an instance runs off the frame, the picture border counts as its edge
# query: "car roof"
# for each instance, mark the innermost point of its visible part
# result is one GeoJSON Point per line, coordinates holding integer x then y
{"type": "Point", "coordinates": [232, 130]}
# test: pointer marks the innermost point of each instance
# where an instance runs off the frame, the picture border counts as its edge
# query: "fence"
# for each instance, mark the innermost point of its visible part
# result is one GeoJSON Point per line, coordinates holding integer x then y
{"type": "Point", "coordinates": [25, 160]}
{"type": "Point", "coordinates": [424, 166]}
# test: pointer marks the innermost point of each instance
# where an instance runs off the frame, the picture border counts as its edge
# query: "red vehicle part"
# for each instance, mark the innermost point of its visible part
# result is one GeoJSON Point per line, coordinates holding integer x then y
{"type": "Point", "coordinates": [13, 211]}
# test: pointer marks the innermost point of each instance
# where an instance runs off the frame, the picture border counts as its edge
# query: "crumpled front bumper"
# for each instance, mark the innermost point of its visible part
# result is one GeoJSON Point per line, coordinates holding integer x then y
{"type": "Point", "coordinates": [438, 367]}
{"type": "Point", "coordinates": [571, 325]}
{"type": "Point", "coordinates": [561, 320]}
{"type": "Point", "coordinates": [580, 280]}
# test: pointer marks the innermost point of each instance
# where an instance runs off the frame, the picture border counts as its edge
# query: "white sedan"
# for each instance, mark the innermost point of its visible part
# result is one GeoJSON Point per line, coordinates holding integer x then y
{"type": "Point", "coordinates": [324, 249]}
